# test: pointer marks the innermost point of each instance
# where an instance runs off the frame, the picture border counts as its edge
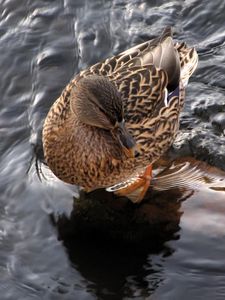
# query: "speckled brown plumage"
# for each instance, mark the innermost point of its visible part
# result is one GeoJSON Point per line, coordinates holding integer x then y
{"type": "Point", "coordinates": [90, 156]}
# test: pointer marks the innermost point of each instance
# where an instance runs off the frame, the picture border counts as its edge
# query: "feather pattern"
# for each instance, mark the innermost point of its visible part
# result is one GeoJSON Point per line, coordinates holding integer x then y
{"type": "Point", "coordinates": [150, 79]}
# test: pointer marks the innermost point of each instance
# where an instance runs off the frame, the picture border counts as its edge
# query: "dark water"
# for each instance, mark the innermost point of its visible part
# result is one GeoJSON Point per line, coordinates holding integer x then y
{"type": "Point", "coordinates": [42, 44]}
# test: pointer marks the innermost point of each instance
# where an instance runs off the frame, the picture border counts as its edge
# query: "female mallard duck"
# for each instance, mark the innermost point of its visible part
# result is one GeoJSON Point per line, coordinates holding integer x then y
{"type": "Point", "coordinates": [118, 117]}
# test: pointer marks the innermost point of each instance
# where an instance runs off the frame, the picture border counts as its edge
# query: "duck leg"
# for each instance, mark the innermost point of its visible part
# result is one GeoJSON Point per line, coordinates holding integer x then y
{"type": "Point", "coordinates": [136, 190]}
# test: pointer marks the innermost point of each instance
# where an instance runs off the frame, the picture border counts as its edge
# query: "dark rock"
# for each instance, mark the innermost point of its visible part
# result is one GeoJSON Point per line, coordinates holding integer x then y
{"type": "Point", "coordinates": [204, 108]}
{"type": "Point", "coordinates": [218, 121]}
{"type": "Point", "coordinates": [208, 147]}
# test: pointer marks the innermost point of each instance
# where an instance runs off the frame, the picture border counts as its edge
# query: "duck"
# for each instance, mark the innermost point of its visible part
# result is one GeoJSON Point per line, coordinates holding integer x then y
{"type": "Point", "coordinates": [116, 118]}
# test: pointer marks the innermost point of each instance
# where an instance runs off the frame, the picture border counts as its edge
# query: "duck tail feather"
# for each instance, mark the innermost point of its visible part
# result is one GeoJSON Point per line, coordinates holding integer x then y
{"type": "Point", "coordinates": [167, 32]}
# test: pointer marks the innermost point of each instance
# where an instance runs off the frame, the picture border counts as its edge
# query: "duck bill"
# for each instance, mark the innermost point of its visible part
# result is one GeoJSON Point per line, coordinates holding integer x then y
{"type": "Point", "coordinates": [126, 140]}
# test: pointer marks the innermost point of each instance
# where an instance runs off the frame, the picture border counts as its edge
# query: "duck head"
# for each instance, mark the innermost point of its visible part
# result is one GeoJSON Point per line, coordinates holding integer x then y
{"type": "Point", "coordinates": [97, 102]}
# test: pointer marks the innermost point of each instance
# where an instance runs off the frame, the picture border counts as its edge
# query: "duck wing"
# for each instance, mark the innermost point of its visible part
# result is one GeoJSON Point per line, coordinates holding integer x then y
{"type": "Point", "coordinates": [160, 52]}
{"type": "Point", "coordinates": [143, 91]}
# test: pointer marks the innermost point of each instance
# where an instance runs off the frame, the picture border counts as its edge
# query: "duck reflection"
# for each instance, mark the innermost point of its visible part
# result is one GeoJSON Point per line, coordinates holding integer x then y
{"type": "Point", "coordinates": [113, 243]}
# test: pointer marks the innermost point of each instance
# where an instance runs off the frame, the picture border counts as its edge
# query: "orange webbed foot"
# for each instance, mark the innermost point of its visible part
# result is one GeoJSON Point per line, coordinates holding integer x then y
{"type": "Point", "coordinates": [135, 190]}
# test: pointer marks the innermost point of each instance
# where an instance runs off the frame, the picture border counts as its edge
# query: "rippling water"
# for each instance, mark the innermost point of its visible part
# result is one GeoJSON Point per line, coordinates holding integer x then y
{"type": "Point", "coordinates": [42, 45]}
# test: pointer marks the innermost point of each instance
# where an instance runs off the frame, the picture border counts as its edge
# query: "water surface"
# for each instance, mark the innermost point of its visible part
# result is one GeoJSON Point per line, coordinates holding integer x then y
{"type": "Point", "coordinates": [42, 45]}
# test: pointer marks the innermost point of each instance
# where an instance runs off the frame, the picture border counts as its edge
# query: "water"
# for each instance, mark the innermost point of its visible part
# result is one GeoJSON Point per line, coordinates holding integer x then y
{"type": "Point", "coordinates": [42, 45]}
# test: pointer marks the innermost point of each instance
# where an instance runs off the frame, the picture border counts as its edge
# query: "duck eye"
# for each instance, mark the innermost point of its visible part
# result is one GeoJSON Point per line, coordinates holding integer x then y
{"type": "Point", "coordinates": [108, 118]}
{"type": "Point", "coordinates": [120, 117]}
